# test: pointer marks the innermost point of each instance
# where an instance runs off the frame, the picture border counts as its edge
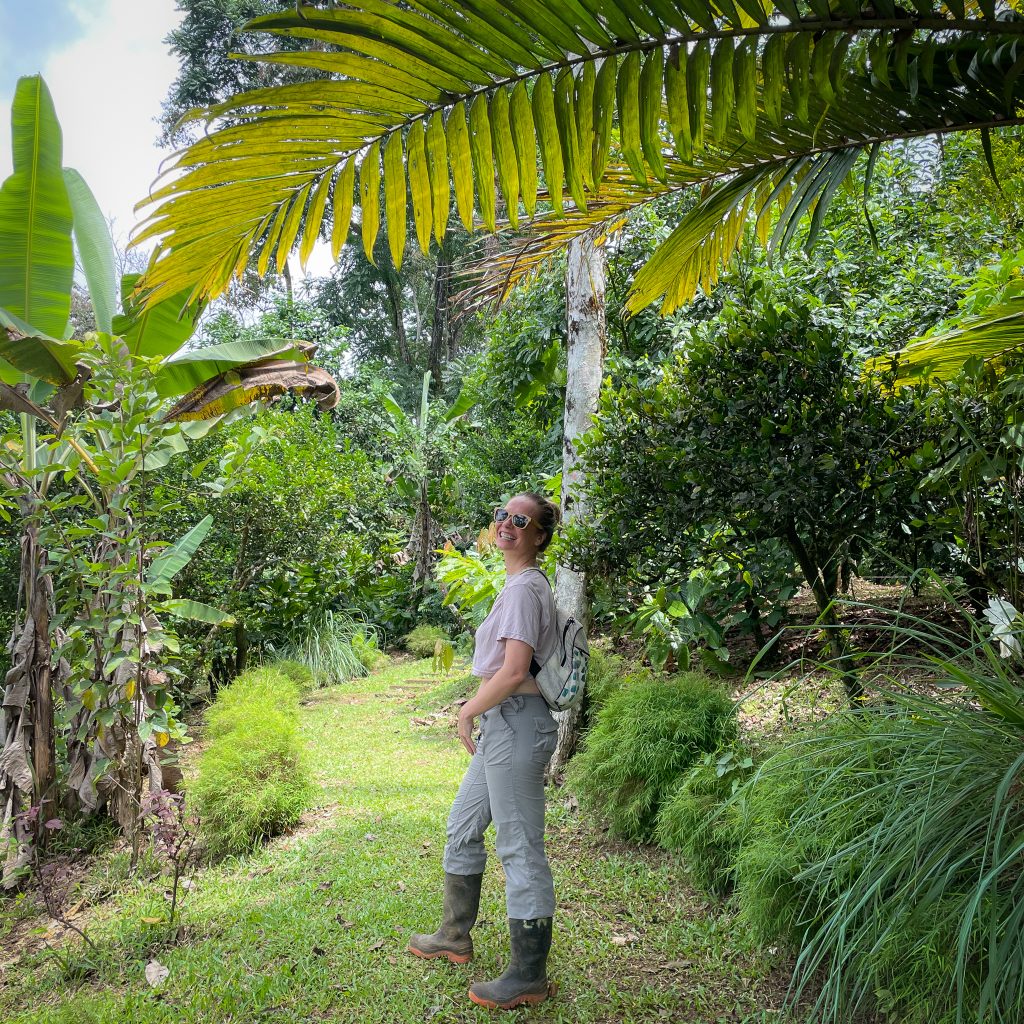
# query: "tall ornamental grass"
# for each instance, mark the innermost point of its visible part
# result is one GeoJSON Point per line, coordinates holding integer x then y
{"type": "Point", "coordinates": [887, 846]}
{"type": "Point", "coordinates": [644, 737]}
{"type": "Point", "coordinates": [253, 781]}
{"type": "Point", "coordinates": [334, 647]}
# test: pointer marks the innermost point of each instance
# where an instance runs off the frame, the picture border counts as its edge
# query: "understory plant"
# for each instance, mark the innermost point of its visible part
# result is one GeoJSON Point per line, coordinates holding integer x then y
{"type": "Point", "coordinates": [423, 640]}
{"type": "Point", "coordinates": [644, 738]}
{"type": "Point", "coordinates": [253, 780]}
{"type": "Point", "coordinates": [884, 846]}
{"type": "Point", "coordinates": [332, 645]}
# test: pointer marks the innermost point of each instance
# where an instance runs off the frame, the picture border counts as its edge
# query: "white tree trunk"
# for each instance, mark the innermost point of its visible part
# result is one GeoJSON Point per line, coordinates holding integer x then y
{"type": "Point", "coordinates": [587, 340]}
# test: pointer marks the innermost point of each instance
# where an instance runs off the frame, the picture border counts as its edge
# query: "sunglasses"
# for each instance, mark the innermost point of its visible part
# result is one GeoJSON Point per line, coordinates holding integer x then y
{"type": "Point", "coordinates": [518, 520]}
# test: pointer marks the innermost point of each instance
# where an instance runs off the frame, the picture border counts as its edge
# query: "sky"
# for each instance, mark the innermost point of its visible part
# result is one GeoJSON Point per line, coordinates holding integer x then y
{"type": "Point", "coordinates": [108, 70]}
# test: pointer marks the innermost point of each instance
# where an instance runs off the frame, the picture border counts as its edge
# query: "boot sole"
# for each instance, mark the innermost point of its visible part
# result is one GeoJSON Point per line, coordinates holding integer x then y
{"type": "Point", "coordinates": [526, 999]}
{"type": "Point", "coordinates": [455, 958]}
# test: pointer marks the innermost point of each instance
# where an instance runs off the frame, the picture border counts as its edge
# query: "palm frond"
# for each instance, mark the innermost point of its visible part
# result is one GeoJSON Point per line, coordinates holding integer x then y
{"type": "Point", "coordinates": [729, 87]}
{"type": "Point", "coordinates": [990, 336]}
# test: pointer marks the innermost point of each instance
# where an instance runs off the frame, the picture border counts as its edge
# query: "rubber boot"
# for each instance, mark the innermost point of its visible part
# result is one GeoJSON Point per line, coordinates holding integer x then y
{"type": "Point", "coordinates": [525, 980]}
{"type": "Point", "coordinates": [452, 939]}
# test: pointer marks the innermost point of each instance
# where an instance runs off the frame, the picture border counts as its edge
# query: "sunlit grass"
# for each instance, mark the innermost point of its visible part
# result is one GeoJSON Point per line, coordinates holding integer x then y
{"type": "Point", "coordinates": [313, 926]}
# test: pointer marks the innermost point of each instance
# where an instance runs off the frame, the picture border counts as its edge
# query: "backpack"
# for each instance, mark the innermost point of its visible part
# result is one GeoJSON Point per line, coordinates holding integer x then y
{"type": "Point", "coordinates": [563, 676]}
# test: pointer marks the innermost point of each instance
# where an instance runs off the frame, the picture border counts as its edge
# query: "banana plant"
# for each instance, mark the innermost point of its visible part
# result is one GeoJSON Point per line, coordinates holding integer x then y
{"type": "Point", "coordinates": [577, 112]}
{"type": "Point", "coordinates": [47, 213]}
{"type": "Point", "coordinates": [414, 478]}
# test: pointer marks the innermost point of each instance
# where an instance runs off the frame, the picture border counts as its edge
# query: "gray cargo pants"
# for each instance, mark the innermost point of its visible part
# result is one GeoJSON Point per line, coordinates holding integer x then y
{"type": "Point", "coordinates": [505, 783]}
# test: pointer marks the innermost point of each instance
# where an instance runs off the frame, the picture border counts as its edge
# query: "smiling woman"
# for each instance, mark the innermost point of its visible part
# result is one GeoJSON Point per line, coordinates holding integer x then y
{"type": "Point", "coordinates": [505, 779]}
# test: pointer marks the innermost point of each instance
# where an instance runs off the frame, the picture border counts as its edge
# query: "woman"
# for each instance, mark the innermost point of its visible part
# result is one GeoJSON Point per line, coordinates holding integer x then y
{"type": "Point", "coordinates": [505, 779]}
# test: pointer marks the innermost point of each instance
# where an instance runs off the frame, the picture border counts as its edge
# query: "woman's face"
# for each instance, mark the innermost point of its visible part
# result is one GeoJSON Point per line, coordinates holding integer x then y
{"type": "Point", "coordinates": [512, 538]}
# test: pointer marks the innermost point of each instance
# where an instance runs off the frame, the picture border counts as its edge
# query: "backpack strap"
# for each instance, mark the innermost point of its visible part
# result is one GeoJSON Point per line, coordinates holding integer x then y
{"type": "Point", "coordinates": [534, 663]}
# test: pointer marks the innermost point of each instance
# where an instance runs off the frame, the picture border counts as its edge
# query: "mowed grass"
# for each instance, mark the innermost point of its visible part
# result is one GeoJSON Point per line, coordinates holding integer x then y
{"type": "Point", "coordinates": [314, 926]}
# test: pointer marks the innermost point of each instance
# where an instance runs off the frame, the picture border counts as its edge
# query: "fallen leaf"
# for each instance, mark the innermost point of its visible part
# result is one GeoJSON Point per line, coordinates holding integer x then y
{"type": "Point", "coordinates": [629, 939]}
{"type": "Point", "coordinates": [156, 973]}
{"type": "Point", "coordinates": [379, 944]}
{"type": "Point", "coordinates": [370, 837]}
{"type": "Point", "coordinates": [344, 923]}
{"type": "Point", "coordinates": [153, 920]}
{"type": "Point", "coordinates": [325, 885]}
{"type": "Point", "coordinates": [401, 886]}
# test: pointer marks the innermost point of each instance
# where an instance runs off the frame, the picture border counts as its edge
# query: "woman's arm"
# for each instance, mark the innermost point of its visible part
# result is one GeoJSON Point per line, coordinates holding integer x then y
{"type": "Point", "coordinates": [508, 678]}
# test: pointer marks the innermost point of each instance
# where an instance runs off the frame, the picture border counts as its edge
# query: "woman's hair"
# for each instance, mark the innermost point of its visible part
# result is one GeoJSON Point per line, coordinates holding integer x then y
{"type": "Point", "coordinates": [549, 515]}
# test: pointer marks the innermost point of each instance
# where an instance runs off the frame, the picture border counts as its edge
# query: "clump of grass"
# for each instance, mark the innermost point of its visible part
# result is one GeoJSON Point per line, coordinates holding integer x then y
{"type": "Point", "coordinates": [256, 690]}
{"type": "Point", "coordinates": [253, 781]}
{"type": "Point", "coordinates": [295, 671]}
{"type": "Point", "coordinates": [422, 641]}
{"type": "Point", "coordinates": [605, 676]}
{"type": "Point", "coordinates": [700, 820]}
{"type": "Point", "coordinates": [329, 646]}
{"type": "Point", "coordinates": [650, 731]}
{"type": "Point", "coordinates": [885, 845]}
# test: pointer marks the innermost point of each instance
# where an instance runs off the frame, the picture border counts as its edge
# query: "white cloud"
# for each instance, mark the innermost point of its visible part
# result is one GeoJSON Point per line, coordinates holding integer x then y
{"type": "Point", "coordinates": [107, 87]}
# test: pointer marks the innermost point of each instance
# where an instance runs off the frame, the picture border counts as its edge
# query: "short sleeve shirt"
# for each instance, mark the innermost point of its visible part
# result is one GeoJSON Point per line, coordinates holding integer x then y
{"type": "Point", "coordinates": [524, 610]}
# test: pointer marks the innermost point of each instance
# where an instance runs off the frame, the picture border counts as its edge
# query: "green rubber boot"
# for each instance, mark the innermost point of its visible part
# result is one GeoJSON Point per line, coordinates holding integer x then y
{"type": "Point", "coordinates": [525, 980]}
{"type": "Point", "coordinates": [452, 939]}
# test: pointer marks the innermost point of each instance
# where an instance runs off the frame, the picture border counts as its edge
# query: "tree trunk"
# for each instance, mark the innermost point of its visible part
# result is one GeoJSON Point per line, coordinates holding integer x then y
{"type": "Point", "coordinates": [823, 581]}
{"type": "Point", "coordinates": [394, 291]}
{"type": "Point", "coordinates": [440, 346]}
{"type": "Point", "coordinates": [27, 751]}
{"type": "Point", "coordinates": [587, 339]}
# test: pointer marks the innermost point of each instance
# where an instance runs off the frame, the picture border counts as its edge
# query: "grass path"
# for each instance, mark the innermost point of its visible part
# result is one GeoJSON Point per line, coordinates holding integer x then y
{"type": "Point", "coordinates": [313, 927]}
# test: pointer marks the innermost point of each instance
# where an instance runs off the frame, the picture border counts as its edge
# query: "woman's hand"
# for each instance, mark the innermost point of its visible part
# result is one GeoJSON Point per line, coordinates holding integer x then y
{"type": "Point", "coordinates": [467, 723]}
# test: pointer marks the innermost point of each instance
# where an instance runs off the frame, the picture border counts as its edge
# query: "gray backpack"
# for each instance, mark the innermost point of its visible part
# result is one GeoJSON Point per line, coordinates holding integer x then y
{"type": "Point", "coordinates": [563, 676]}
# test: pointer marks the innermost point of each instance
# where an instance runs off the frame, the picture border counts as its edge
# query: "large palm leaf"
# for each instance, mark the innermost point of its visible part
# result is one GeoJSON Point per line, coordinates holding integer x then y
{"type": "Point", "coordinates": [438, 98]}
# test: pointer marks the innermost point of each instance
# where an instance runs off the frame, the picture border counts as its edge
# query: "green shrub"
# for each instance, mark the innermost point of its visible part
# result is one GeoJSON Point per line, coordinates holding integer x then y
{"type": "Point", "coordinates": [295, 671]}
{"type": "Point", "coordinates": [649, 732]}
{"type": "Point", "coordinates": [254, 691]}
{"type": "Point", "coordinates": [885, 847]}
{"type": "Point", "coordinates": [699, 820]}
{"type": "Point", "coordinates": [423, 639]}
{"type": "Point", "coordinates": [366, 646]}
{"type": "Point", "coordinates": [604, 677]}
{"type": "Point", "coordinates": [252, 779]}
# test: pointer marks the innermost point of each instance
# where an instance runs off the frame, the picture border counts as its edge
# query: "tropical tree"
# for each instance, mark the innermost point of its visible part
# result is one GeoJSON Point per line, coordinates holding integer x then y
{"type": "Point", "coordinates": [46, 212]}
{"type": "Point", "coordinates": [769, 106]}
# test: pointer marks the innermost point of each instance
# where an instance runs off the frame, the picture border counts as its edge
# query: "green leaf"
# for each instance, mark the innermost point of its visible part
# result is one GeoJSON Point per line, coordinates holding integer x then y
{"type": "Point", "coordinates": [156, 330]}
{"type": "Point", "coordinates": [437, 165]}
{"type": "Point", "coordinates": [604, 112]}
{"type": "Point", "coordinates": [565, 118]}
{"type": "Point", "coordinates": [34, 354]}
{"type": "Point", "coordinates": [628, 93]}
{"type": "Point", "coordinates": [651, 78]}
{"type": "Point", "coordinates": [466, 400]}
{"type": "Point", "coordinates": [676, 101]}
{"type": "Point", "coordinates": [723, 89]}
{"type": "Point", "coordinates": [798, 58]}
{"type": "Point", "coordinates": [169, 562]}
{"type": "Point", "coordinates": [524, 138]}
{"type": "Point", "coordinates": [462, 163]}
{"type": "Point", "coordinates": [483, 159]}
{"type": "Point", "coordinates": [697, 67]}
{"type": "Point", "coordinates": [821, 65]}
{"type": "Point", "coordinates": [369, 197]}
{"type": "Point", "coordinates": [344, 196]}
{"type": "Point", "coordinates": [198, 612]}
{"type": "Point", "coordinates": [394, 197]}
{"type": "Point", "coordinates": [550, 147]}
{"type": "Point", "coordinates": [191, 369]}
{"type": "Point", "coordinates": [586, 84]}
{"type": "Point", "coordinates": [419, 184]}
{"type": "Point", "coordinates": [37, 260]}
{"type": "Point", "coordinates": [95, 249]}
{"type": "Point", "coordinates": [314, 218]}
{"type": "Point", "coordinates": [505, 153]}
{"type": "Point", "coordinates": [745, 80]}
{"type": "Point", "coordinates": [773, 76]}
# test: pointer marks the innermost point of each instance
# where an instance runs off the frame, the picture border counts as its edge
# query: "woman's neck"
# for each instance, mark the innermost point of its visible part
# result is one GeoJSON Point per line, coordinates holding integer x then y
{"type": "Point", "coordinates": [516, 564]}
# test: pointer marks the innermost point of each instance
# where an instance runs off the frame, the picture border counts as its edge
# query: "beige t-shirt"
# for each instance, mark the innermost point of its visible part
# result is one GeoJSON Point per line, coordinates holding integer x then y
{"type": "Point", "coordinates": [524, 610]}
